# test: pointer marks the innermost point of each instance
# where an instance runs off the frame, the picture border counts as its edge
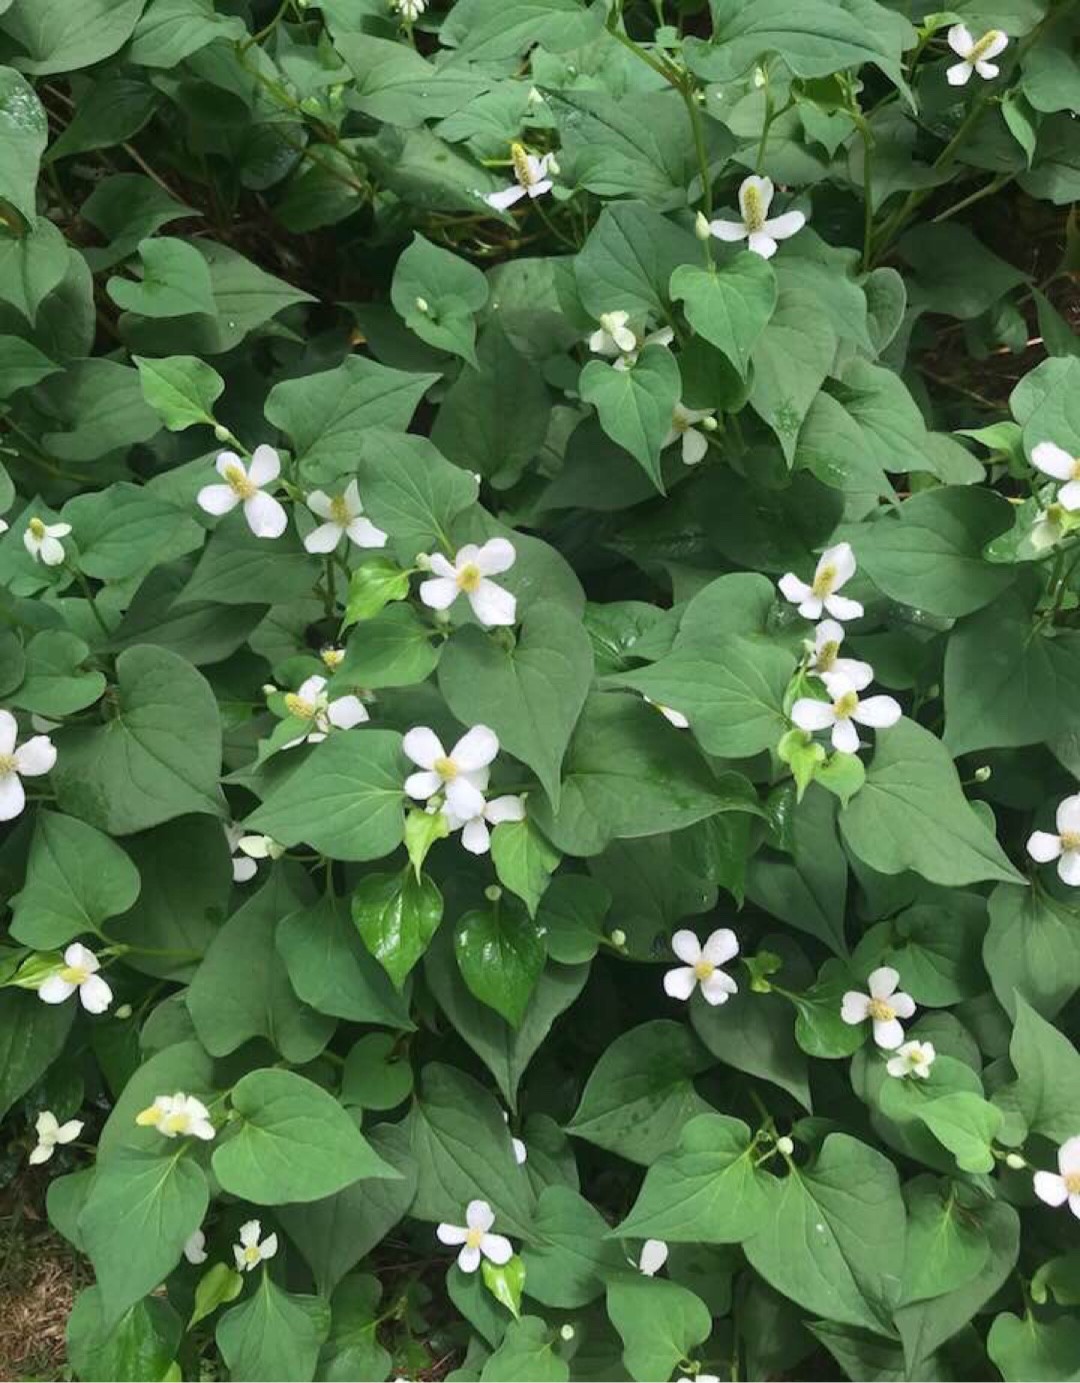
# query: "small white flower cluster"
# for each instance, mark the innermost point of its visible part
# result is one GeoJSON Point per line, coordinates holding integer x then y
{"type": "Point", "coordinates": [844, 678]}
{"type": "Point", "coordinates": [476, 1239]}
{"type": "Point", "coordinates": [760, 233]}
{"type": "Point", "coordinates": [455, 783]}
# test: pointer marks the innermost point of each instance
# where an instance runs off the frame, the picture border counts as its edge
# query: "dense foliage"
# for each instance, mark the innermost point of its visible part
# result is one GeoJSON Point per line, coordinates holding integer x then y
{"type": "Point", "coordinates": [540, 681]}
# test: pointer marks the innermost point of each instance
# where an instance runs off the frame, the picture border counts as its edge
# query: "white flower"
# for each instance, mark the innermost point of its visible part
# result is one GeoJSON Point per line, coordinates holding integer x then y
{"type": "Point", "coordinates": [252, 848]}
{"type": "Point", "coordinates": [1064, 1185]}
{"type": "Point", "coordinates": [843, 711]}
{"type": "Point", "coordinates": [883, 1005]}
{"type": "Point", "coordinates": [825, 662]}
{"type": "Point", "coordinates": [50, 1132]}
{"type": "Point", "coordinates": [409, 9]}
{"type": "Point", "coordinates": [475, 1239]}
{"type": "Point", "coordinates": [694, 443]}
{"type": "Point", "coordinates": [344, 518]}
{"type": "Point", "coordinates": [79, 972]}
{"type": "Point", "coordinates": [249, 1252]}
{"type": "Point", "coordinates": [332, 657]}
{"type": "Point", "coordinates": [1048, 527]}
{"type": "Point", "coordinates": [176, 1116]}
{"type": "Point", "coordinates": [975, 55]}
{"type": "Point", "coordinates": [1064, 847]}
{"type": "Point", "coordinates": [195, 1248]}
{"type": "Point", "coordinates": [475, 835]}
{"type": "Point", "coordinates": [702, 966]}
{"type": "Point", "coordinates": [532, 178]}
{"type": "Point", "coordinates": [675, 717]}
{"type": "Point", "coordinates": [755, 198]}
{"type": "Point", "coordinates": [912, 1059]}
{"type": "Point", "coordinates": [521, 1152]}
{"type": "Point", "coordinates": [42, 541]}
{"type": "Point", "coordinates": [265, 516]}
{"type": "Point", "coordinates": [614, 335]}
{"type": "Point", "coordinates": [29, 760]}
{"type": "Point", "coordinates": [654, 1253]}
{"type": "Point", "coordinates": [462, 775]}
{"type": "Point", "coordinates": [835, 568]}
{"type": "Point", "coordinates": [1055, 461]}
{"type": "Point", "coordinates": [469, 573]}
{"type": "Point", "coordinates": [312, 704]}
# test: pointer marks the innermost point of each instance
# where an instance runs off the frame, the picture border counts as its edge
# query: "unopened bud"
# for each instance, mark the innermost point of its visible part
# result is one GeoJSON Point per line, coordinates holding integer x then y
{"type": "Point", "coordinates": [553, 164]}
{"type": "Point", "coordinates": [422, 305]}
{"type": "Point", "coordinates": [493, 893]}
{"type": "Point", "coordinates": [982, 775]}
{"type": "Point", "coordinates": [422, 561]}
{"type": "Point", "coordinates": [222, 433]}
{"type": "Point", "coordinates": [709, 424]}
{"type": "Point", "coordinates": [124, 1011]}
{"type": "Point", "coordinates": [268, 689]}
{"type": "Point", "coordinates": [785, 1145]}
{"type": "Point", "coordinates": [759, 76]}
{"type": "Point", "coordinates": [701, 226]}
{"type": "Point", "coordinates": [618, 937]}
{"type": "Point", "coordinates": [1015, 1161]}
{"type": "Point", "coordinates": [566, 1332]}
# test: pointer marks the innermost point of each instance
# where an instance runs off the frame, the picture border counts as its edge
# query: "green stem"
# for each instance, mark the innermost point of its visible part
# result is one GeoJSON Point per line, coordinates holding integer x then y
{"type": "Point", "coordinates": [863, 126]}
{"type": "Point", "coordinates": [688, 93]}
{"type": "Point", "coordinates": [267, 31]}
{"type": "Point", "coordinates": [994, 185]}
{"type": "Point", "coordinates": [84, 585]}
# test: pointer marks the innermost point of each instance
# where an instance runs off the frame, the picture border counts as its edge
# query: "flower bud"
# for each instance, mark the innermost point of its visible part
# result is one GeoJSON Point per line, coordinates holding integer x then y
{"type": "Point", "coordinates": [222, 433]}
{"type": "Point", "coordinates": [124, 1011]}
{"type": "Point", "coordinates": [709, 424]}
{"type": "Point", "coordinates": [785, 1145]}
{"type": "Point", "coordinates": [1016, 1162]}
{"type": "Point", "coordinates": [982, 775]}
{"type": "Point", "coordinates": [566, 1332]}
{"type": "Point", "coordinates": [493, 893]}
{"type": "Point", "coordinates": [422, 305]}
{"type": "Point", "coordinates": [268, 689]}
{"type": "Point", "coordinates": [701, 226]}
{"type": "Point", "coordinates": [618, 938]}
{"type": "Point", "coordinates": [422, 561]}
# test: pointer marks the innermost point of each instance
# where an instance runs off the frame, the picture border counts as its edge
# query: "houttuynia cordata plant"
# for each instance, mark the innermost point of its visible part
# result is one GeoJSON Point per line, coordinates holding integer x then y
{"type": "Point", "coordinates": [540, 688]}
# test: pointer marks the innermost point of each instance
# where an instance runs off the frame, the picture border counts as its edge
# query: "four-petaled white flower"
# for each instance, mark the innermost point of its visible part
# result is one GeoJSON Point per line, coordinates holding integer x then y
{"type": "Point", "coordinates": [50, 1132]}
{"type": "Point", "coordinates": [475, 1239]}
{"type": "Point", "coordinates": [835, 568]}
{"type": "Point", "coordinates": [468, 573]}
{"type": "Point", "coordinates": [669, 713]}
{"type": "Point", "coordinates": [531, 174]}
{"type": "Point", "coordinates": [1064, 847]}
{"type": "Point", "coordinates": [845, 709]}
{"type": "Point", "coordinates": [1055, 1188]}
{"type": "Point", "coordinates": [311, 703]}
{"type": "Point", "coordinates": [475, 836]}
{"type": "Point", "coordinates": [974, 54]}
{"type": "Point", "coordinates": [654, 1254]}
{"type": "Point", "coordinates": [461, 776]}
{"type": "Point", "coordinates": [884, 1006]}
{"type": "Point", "coordinates": [32, 758]}
{"type": "Point", "coordinates": [42, 541]}
{"type": "Point", "coordinates": [616, 338]}
{"type": "Point", "coordinates": [1056, 462]}
{"type": "Point", "coordinates": [249, 1252]}
{"type": "Point", "coordinates": [826, 662]}
{"type": "Point", "coordinates": [761, 234]}
{"type": "Point", "coordinates": [195, 1248]}
{"type": "Point", "coordinates": [694, 443]}
{"type": "Point", "coordinates": [344, 518]}
{"type": "Point", "coordinates": [252, 849]}
{"type": "Point", "coordinates": [702, 966]}
{"type": "Point", "coordinates": [79, 972]}
{"type": "Point", "coordinates": [912, 1059]}
{"type": "Point", "coordinates": [177, 1116]}
{"type": "Point", "coordinates": [247, 486]}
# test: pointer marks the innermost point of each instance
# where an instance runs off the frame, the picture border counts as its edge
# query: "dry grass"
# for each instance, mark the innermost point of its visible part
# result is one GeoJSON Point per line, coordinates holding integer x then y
{"type": "Point", "coordinates": [39, 1276]}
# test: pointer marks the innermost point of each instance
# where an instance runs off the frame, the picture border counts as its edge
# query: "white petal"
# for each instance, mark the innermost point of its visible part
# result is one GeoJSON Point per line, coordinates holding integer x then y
{"type": "Point", "coordinates": [1069, 868]}
{"type": "Point", "coordinates": [228, 461]}
{"type": "Point", "coordinates": [439, 593]}
{"type": "Point", "coordinates": [37, 755]}
{"type": "Point", "coordinates": [80, 957]}
{"type": "Point", "coordinates": [888, 1035]}
{"type": "Point", "coordinates": [882, 982]}
{"type": "Point", "coordinates": [41, 1154]}
{"type": "Point", "coordinates": [464, 799]}
{"type": "Point", "coordinates": [897, 1066]}
{"type": "Point", "coordinates": [903, 1005]}
{"type": "Point", "coordinates": [265, 466]}
{"type": "Point", "coordinates": [320, 504]}
{"type": "Point", "coordinates": [58, 530]}
{"type": "Point", "coordinates": [721, 946]}
{"type": "Point", "coordinates": [468, 1260]}
{"type": "Point", "coordinates": [1043, 847]}
{"type": "Point", "coordinates": [423, 746]}
{"type": "Point", "coordinates": [95, 995]}
{"type": "Point", "coordinates": [1050, 1188]}
{"type": "Point", "coordinates": [12, 796]}
{"type": "Point", "coordinates": [694, 446]}
{"type": "Point", "coordinates": [763, 187]}
{"type": "Point", "coordinates": [492, 605]}
{"type": "Point", "coordinates": [686, 946]}
{"type": "Point", "coordinates": [242, 1265]}
{"type": "Point", "coordinates": [1069, 496]}
{"type": "Point", "coordinates": [878, 711]}
{"type": "Point", "coordinates": [960, 40]}
{"type": "Point", "coordinates": [217, 499]}
{"type": "Point", "coordinates": [9, 731]}
{"type": "Point", "coordinates": [363, 533]}
{"type": "Point", "coordinates": [857, 675]}
{"type": "Point", "coordinates": [52, 552]}
{"type": "Point", "coordinates": [654, 1254]}
{"type": "Point", "coordinates": [718, 988]}
{"type": "Point", "coordinates": [1069, 1157]}
{"type": "Point", "coordinates": [1067, 816]}
{"type": "Point", "coordinates": [268, 1247]}
{"type": "Point", "coordinates": [537, 189]}
{"type": "Point", "coordinates": [761, 243]}
{"type": "Point", "coordinates": [47, 1127]}
{"type": "Point", "coordinates": [346, 712]}
{"type": "Point", "coordinates": [243, 869]}
{"type": "Point", "coordinates": [997, 45]}
{"type": "Point", "coordinates": [810, 714]}
{"type": "Point", "coordinates": [311, 688]}
{"type": "Point", "coordinates": [421, 786]}
{"type": "Point", "coordinates": [497, 1248]}
{"type": "Point", "coordinates": [783, 227]}
{"type": "Point", "coordinates": [249, 1233]}
{"type": "Point", "coordinates": [501, 201]}
{"type": "Point", "coordinates": [67, 1133]}
{"type": "Point", "coordinates": [791, 588]}
{"type": "Point", "coordinates": [475, 836]}
{"type": "Point", "coordinates": [497, 555]}
{"type": "Point", "coordinates": [987, 70]}
{"type": "Point", "coordinates": [451, 1234]}
{"type": "Point", "coordinates": [828, 631]}
{"type": "Point", "coordinates": [507, 808]}
{"type": "Point", "coordinates": [679, 984]}
{"type": "Point", "coordinates": [959, 74]}
{"type": "Point", "coordinates": [1053, 460]}
{"type": "Point", "coordinates": [842, 560]}
{"type": "Point", "coordinates": [352, 499]}
{"type": "Point", "coordinates": [855, 1007]}
{"type": "Point", "coordinates": [265, 516]}
{"type": "Point", "coordinates": [479, 1215]}
{"type": "Point", "coordinates": [324, 538]}
{"type": "Point", "coordinates": [728, 230]}
{"type": "Point", "coordinates": [54, 990]}
{"type": "Point", "coordinates": [840, 607]}
{"type": "Point", "coordinates": [476, 749]}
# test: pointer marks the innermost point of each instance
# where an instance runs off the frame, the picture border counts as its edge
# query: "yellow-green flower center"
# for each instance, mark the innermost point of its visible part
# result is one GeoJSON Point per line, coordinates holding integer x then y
{"type": "Point", "coordinates": [1070, 840]}
{"type": "Point", "coordinates": [237, 480]}
{"type": "Point", "coordinates": [446, 769]}
{"type": "Point", "coordinates": [332, 657]}
{"type": "Point", "coordinates": [827, 655]}
{"type": "Point", "coordinates": [823, 581]}
{"type": "Point", "coordinates": [846, 705]}
{"type": "Point", "coordinates": [473, 1238]}
{"type": "Point", "coordinates": [704, 969]}
{"type": "Point", "coordinates": [520, 159]}
{"type": "Point", "coordinates": [174, 1123]}
{"type": "Point", "coordinates": [469, 577]}
{"type": "Point", "coordinates": [1072, 1183]}
{"type": "Point", "coordinates": [298, 707]}
{"type": "Point", "coordinates": [37, 529]}
{"type": "Point", "coordinates": [987, 41]}
{"type": "Point", "coordinates": [339, 511]}
{"type": "Point", "coordinates": [7, 764]}
{"type": "Point", "coordinates": [251, 1253]}
{"type": "Point", "coordinates": [74, 974]}
{"type": "Point", "coordinates": [917, 1057]}
{"type": "Point", "coordinates": [880, 1011]}
{"type": "Point", "coordinates": [753, 208]}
